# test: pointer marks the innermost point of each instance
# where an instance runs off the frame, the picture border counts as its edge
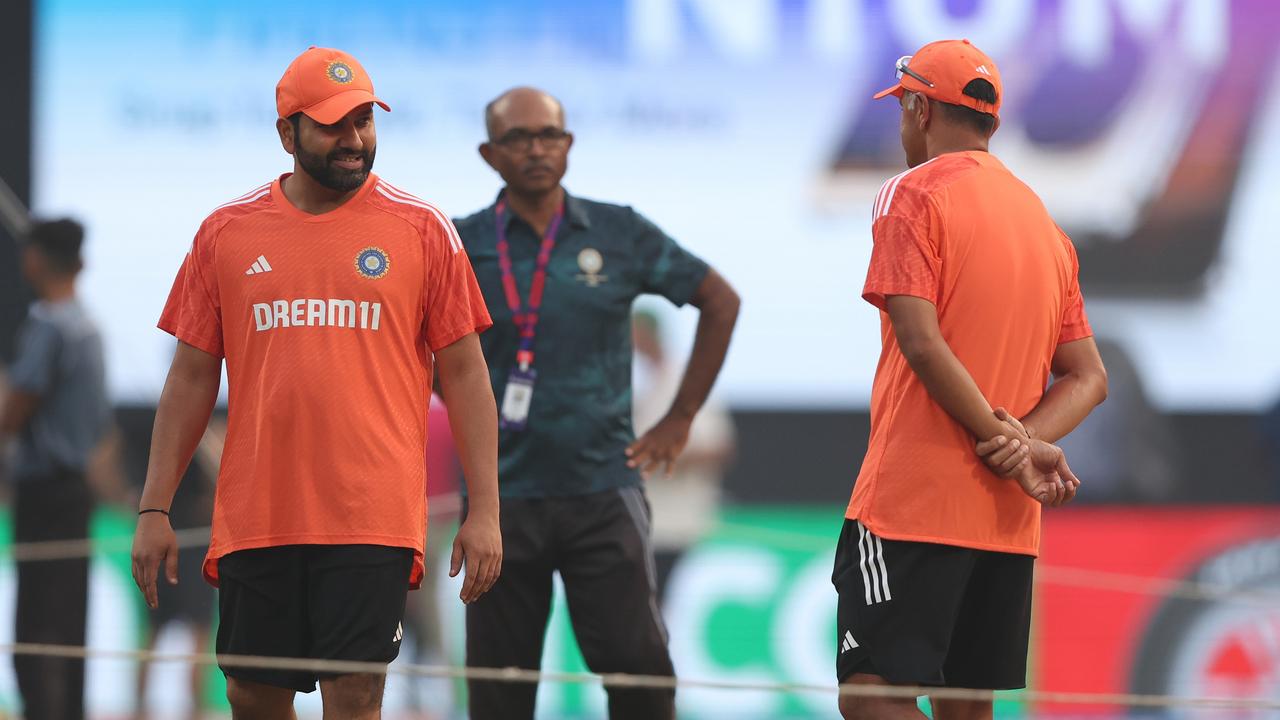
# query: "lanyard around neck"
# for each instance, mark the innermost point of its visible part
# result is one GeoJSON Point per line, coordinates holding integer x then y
{"type": "Point", "coordinates": [525, 314]}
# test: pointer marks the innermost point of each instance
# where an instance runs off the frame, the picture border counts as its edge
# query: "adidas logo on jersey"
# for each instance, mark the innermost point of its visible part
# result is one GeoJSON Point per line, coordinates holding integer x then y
{"type": "Point", "coordinates": [259, 266]}
{"type": "Point", "coordinates": [849, 643]}
{"type": "Point", "coordinates": [314, 312]}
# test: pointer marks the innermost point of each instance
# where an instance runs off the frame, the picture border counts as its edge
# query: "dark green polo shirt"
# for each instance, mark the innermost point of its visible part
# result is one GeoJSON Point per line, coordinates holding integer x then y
{"type": "Point", "coordinates": [580, 418]}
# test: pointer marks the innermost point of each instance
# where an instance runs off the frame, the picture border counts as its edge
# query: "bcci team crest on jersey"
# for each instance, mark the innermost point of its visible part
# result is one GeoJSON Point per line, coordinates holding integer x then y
{"type": "Point", "coordinates": [372, 262]}
{"type": "Point", "coordinates": [340, 73]}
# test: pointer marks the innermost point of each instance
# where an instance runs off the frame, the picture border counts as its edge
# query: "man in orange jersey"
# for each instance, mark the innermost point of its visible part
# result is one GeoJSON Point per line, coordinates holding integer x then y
{"type": "Point", "coordinates": [980, 303]}
{"type": "Point", "coordinates": [333, 296]}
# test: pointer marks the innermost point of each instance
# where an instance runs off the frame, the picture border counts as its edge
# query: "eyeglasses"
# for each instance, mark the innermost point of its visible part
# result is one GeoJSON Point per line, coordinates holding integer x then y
{"type": "Point", "coordinates": [521, 140]}
{"type": "Point", "coordinates": [901, 67]}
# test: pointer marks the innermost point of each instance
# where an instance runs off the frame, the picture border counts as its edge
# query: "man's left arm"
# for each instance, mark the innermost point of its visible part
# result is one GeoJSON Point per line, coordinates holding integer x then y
{"type": "Point", "coordinates": [473, 417]}
{"type": "Point", "coordinates": [718, 305]}
{"type": "Point", "coordinates": [915, 325]}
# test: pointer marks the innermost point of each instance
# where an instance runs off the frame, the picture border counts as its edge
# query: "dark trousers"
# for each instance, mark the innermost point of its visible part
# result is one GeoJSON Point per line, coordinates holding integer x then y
{"type": "Point", "coordinates": [600, 545]}
{"type": "Point", "coordinates": [53, 595]}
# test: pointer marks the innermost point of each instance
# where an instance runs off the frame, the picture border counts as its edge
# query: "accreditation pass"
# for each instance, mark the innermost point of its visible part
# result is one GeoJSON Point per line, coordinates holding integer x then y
{"type": "Point", "coordinates": [517, 398]}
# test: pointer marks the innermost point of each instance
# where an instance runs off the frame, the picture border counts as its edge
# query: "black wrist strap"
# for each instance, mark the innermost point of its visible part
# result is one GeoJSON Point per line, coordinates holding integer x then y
{"type": "Point", "coordinates": [163, 512]}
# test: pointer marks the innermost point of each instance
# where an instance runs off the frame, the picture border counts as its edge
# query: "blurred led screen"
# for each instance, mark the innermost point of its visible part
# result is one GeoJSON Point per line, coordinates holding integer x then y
{"type": "Point", "coordinates": [745, 128]}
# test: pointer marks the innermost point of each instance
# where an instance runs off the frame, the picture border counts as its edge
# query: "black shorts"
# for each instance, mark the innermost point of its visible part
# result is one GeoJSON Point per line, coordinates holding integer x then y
{"type": "Point", "coordinates": [925, 614]}
{"type": "Point", "coordinates": [331, 602]}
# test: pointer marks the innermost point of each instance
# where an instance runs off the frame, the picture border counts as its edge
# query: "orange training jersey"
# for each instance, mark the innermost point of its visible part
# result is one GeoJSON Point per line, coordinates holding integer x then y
{"type": "Point", "coordinates": [327, 323]}
{"type": "Point", "coordinates": [963, 233]}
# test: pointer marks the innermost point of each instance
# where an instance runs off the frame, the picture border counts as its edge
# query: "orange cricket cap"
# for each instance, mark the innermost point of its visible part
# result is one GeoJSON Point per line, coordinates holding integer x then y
{"type": "Point", "coordinates": [941, 69]}
{"type": "Point", "coordinates": [326, 84]}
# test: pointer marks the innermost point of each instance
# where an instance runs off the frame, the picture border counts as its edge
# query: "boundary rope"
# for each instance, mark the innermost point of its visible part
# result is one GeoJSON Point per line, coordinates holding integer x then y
{"type": "Point", "coordinates": [624, 680]}
{"type": "Point", "coordinates": [1044, 574]}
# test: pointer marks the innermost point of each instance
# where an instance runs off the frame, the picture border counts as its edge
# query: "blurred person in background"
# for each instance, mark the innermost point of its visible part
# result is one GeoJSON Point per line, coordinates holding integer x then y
{"type": "Point", "coordinates": [57, 408]}
{"type": "Point", "coordinates": [559, 274]}
{"type": "Point", "coordinates": [332, 295]}
{"type": "Point", "coordinates": [979, 298]}
{"type": "Point", "coordinates": [685, 503]}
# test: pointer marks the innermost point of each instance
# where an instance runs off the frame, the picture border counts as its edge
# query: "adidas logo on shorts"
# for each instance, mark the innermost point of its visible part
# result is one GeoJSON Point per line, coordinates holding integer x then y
{"type": "Point", "coordinates": [849, 643]}
{"type": "Point", "coordinates": [399, 633]}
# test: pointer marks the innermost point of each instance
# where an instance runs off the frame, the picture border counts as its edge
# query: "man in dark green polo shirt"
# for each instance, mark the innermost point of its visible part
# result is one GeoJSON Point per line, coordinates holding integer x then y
{"type": "Point", "coordinates": [559, 274]}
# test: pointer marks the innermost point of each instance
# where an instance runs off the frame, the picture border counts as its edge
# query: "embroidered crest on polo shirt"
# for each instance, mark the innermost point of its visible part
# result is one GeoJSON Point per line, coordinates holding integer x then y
{"type": "Point", "coordinates": [339, 72]}
{"type": "Point", "coordinates": [591, 262]}
{"type": "Point", "coordinates": [373, 263]}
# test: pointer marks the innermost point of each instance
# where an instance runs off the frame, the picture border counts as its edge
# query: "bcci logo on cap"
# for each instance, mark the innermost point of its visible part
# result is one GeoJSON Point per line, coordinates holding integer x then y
{"type": "Point", "coordinates": [372, 263]}
{"type": "Point", "coordinates": [340, 72]}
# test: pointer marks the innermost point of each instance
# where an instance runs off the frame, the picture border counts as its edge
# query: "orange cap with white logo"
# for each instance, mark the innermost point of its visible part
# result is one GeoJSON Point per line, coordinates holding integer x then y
{"type": "Point", "coordinates": [326, 84]}
{"type": "Point", "coordinates": [947, 66]}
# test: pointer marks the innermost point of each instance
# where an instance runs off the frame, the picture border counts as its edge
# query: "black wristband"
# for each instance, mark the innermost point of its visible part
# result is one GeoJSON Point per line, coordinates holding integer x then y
{"type": "Point", "coordinates": [164, 512]}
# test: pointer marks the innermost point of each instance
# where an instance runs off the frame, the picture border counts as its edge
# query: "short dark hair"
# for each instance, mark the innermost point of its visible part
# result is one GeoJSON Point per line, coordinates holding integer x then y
{"type": "Point", "coordinates": [296, 121]}
{"type": "Point", "coordinates": [984, 123]}
{"type": "Point", "coordinates": [59, 241]}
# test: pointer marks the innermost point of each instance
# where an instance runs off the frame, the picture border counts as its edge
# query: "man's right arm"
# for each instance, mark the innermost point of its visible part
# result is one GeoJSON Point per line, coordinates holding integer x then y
{"type": "Point", "coordinates": [15, 411]}
{"type": "Point", "coordinates": [1079, 385]}
{"type": "Point", "coordinates": [186, 403]}
{"type": "Point", "coordinates": [30, 377]}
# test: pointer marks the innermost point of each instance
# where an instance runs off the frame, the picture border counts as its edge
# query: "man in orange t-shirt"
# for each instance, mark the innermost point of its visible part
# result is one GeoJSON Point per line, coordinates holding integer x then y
{"type": "Point", "coordinates": [980, 304]}
{"type": "Point", "coordinates": [333, 296]}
